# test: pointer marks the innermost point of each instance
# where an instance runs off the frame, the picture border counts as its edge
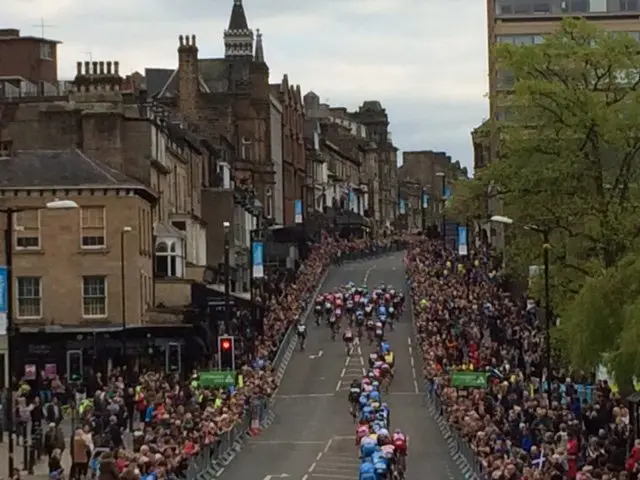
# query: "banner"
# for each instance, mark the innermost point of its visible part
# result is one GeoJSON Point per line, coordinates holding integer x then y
{"type": "Point", "coordinates": [297, 210]}
{"type": "Point", "coordinates": [463, 248]}
{"type": "Point", "coordinates": [425, 200]}
{"type": "Point", "coordinates": [4, 299]}
{"type": "Point", "coordinates": [257, 249]}
{"type": "Point", "coordinates": [469, 379]}
{"type": "Point", "coordinates": [352, 200]}
{"type": "Point", "coordinates": [403, 208]}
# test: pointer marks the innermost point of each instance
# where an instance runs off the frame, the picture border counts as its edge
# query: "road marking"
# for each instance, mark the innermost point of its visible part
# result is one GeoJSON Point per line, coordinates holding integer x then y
{"type": "Point", "coordinates": [409, 341]}
{"type": "Point", "coordinates": [312, 467]}
{"type": "Point", "coordinates": [304, 477]}
{"type": "Point", "coordinates": [328, 445]}
{"type": "Point", "coordinates": [318, 355]}
{"type": "Point", "coordinates": [319, 455]}
{"type": "Point", "coordinates": [281, 475]}
{"type": "Point", "coordinates": [415, 385]}
{"type": "Point", "coordinates": [366, 275]}
{"type": "Point", "coordinates": [338, 385]}
{"type": "Point", "coordinates": [327, 475]}
{"type": "Point", "coordinates": [344, 370]}
{"type": "Point", "coordinates": [306, 395]}
{"type": "Point", "coordinates": [221, 472]}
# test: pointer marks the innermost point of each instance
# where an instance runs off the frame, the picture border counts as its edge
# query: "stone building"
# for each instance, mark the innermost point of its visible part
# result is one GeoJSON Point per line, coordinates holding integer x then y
{"type": "Point", "coordinates": [140, 180]}
{"type": "Point", "coordinates": [294, 168]}
{"type": "Point", "coordinates": [226, 97]}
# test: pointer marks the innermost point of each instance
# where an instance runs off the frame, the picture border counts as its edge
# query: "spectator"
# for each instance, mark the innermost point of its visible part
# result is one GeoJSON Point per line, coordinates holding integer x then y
{"type": "Point", "coordinates": [465, 322]}
{"type": "Point", "coordinates": [81, 455]}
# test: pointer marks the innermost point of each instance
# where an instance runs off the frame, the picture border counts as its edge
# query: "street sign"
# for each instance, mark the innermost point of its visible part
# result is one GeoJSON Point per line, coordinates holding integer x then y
{"type": "Point", "coordinates": [469, 379]}
{"type": "Point", "coordinates": [217, 378]}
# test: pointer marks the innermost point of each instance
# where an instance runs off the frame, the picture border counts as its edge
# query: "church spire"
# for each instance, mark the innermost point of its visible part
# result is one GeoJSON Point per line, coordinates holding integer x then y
{"type": "Point", "coordinates": [238, 37]}
{"type": "Point", "coordinates": [259, 55]}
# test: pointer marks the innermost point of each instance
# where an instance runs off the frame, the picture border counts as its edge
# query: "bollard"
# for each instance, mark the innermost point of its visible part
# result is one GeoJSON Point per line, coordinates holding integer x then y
{"type": "Point", "coordinates": [32, 458]}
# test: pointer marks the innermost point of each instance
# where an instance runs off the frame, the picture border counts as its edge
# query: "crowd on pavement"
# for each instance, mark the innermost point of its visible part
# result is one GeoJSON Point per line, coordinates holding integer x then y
{"type": "Point", "coordinates": [466, 322]}
{"type": "Point", "coordinates": [150, 424]}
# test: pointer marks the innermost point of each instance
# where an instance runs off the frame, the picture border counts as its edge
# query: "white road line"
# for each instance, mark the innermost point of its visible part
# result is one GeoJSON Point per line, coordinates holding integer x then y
{"type": "Point", "coordinates": [286, 442]}
{"type": "Point", "coordinates": [327, 475]}
{"type": "Point", "coordinates": [319, 455]}
{"type": "Point", "coordinates": [338, 385]}
{"type": "Point", "coordinates": [409, 340]}
{"type": "Point", "coordinates": [220, 472]}
{"type": "Point", "coordinates": [312, 467]}
{"type": "Point", "coordinates": [415, 385]}
{"type": "Point", "coordinates": [304, 477]}
{"type": "Point", "coordinates": [344, 370]}
{"type": "Point", "coordinates": [328, 445]}
{"type": "Point", "coordinates": [366, 275]}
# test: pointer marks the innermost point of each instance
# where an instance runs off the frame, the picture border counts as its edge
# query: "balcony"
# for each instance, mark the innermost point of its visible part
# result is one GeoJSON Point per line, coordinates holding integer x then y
{"type": "Point", "coordinates": [522, 9]}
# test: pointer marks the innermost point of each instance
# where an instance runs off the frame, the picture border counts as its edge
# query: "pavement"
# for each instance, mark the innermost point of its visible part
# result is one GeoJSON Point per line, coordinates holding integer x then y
{"type": "Point", "coordinates": [312, 436]}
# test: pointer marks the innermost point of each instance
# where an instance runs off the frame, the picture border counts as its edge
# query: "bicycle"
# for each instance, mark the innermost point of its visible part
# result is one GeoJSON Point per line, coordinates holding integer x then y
{"type": "Point", "coordinates": [349, 348]}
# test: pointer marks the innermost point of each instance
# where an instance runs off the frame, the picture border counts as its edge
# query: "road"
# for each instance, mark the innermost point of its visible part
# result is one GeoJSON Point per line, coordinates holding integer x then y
{"type": "Point", "coordinates": [312, 436]}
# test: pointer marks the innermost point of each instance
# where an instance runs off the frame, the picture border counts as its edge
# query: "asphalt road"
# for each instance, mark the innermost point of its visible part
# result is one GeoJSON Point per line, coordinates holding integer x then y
{"type": "Point", "coordinates": [312, 436]}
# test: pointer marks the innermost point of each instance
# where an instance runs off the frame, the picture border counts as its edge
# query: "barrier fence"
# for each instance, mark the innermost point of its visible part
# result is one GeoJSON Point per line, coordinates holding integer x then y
{"type": "Point", "coordinates": [259, 414]}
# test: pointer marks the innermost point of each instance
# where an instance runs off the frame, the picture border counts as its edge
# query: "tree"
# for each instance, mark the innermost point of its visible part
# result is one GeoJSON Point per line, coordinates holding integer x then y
{"type": "Point", "coordinates": [568, 161]}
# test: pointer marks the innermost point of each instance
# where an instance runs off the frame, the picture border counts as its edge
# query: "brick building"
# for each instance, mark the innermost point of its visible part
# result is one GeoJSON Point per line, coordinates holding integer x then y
{"type": "Point", "coordinates": [28, 65]}
{"type": "Point", "coordinates": [293, 149]}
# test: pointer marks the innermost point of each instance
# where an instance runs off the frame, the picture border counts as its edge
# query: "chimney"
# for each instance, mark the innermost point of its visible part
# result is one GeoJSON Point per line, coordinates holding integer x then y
{"type": "Point", "coordinates": [188, 76]}
{"type": "Point", "coordinates": [97, 82]}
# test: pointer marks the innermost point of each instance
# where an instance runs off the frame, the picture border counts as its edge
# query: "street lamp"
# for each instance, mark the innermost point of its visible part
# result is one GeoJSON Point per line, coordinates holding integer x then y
{"type": "Point", "coordinates": [123, 296]}
{"type": "Point", "coordinates": [227, 280]}
{"type": "Point", "coordinates": [545, 232]}
{"type": "Point", "coordinates": [443, 175]}
{"type": "Point", "coordinates": [11, 331]}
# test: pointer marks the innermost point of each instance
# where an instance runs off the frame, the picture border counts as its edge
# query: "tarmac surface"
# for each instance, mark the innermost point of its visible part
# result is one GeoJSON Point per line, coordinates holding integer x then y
{"type": "Point", "coordinates": [313, 436]}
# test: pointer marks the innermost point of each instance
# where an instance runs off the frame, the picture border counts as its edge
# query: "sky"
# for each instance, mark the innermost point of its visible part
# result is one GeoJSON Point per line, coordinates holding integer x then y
{"type": "Point", "coordinates": [425, 60]}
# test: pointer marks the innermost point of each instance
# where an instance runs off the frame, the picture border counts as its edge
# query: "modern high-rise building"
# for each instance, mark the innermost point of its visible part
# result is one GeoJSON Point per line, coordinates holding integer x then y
{"type": "Point", "coordinates": [525, 22]}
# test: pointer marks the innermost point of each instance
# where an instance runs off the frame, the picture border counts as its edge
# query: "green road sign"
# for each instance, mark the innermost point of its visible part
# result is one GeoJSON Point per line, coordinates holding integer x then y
{"type": "Point", "coordinates": [469, 379]}
{"type": "Point", "coordinates": [217, 378]}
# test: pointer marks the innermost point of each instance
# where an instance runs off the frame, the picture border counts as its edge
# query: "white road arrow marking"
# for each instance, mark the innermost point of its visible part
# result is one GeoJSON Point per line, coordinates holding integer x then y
{"type": "Point", "coordinates": [281, 475]}
{"type": "Point", "coordinates": [318, 355]}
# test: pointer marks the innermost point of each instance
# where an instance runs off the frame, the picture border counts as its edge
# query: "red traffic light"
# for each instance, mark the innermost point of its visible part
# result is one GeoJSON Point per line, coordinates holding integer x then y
{"type": "Point", "coordinates": [226, 344]}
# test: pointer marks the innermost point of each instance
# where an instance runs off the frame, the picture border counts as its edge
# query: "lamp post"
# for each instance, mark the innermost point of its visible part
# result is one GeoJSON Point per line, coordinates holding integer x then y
{"type": "Point", "coordinates": [546, 246]}
{"type": "Point", "coordinates": [443, 175]}
{"type": "Point", "coordinates": [11, 330]}
{"type": "Point", "coordinates": [123, 296]}
{"type": "Point", "coordinates": [227, 278]}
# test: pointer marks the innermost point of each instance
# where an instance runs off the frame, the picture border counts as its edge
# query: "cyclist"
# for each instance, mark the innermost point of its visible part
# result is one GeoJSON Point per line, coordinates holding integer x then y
{"type": "Point", "coordinates": [381, 466]}
{"type": "Point", "coordinates": [347, 338]}
{"type": "Point", "coordinates": [359, 322]}
{"type": "Point", "coordinates": [400, 444]}
{"type": "Point", "coordinates": [354, 396]}
{"type": "Point", "coordinates": [367, 470]}
{"type": "Point", "coordinates": [333, 321]}
{"type": "Point", "coordinates": [301, 331]}
{"type": "Point", "coordinates": [379, 332]}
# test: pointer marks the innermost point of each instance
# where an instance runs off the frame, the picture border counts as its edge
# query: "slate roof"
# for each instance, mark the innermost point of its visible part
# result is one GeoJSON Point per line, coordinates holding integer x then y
{"type": "Point", "coordinates": [157, 78]}
{"type": "Point", "coordinates": [238, 20]}
{"type": "Point", "coordinates": [60, 168]}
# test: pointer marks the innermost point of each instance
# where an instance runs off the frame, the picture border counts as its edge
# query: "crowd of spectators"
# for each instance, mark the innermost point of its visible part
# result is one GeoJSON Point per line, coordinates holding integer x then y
{"type": "Point", "coordinates": [465, 322]}
{"type": "Point", "coordinates": [152, 425]}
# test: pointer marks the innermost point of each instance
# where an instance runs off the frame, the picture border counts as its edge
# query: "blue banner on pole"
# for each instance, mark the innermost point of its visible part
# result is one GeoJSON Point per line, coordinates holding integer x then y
{"type": "Point", "coordinates": [425, 200]}
{"type": "Point", "coordinates": [403, 208]}
{"type": "Point", "coordinates": [463, 248]}
{"type": "Point", "coordinates": [257, 249]}
{"type": "Point", "coordinates": [297, 210]}
{"type": "Point", "coordinates": [4, 300]}
{"type": "Point", "coordinates": [447, 193]}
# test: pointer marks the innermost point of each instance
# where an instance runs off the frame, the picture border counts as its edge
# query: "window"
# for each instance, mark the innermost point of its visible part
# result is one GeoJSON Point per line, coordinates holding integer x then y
{"type": "Point", "coordinates": [245, 148]}
{"type": "Point", "coordinates": [269, 203]}
{"type": "Point", "coordinates": [29, 297]}
{"type": "Point", "coordinates": [6, 148]}
{"type": "Point", "coordinates": [94, 296]}
{"type": "Point", "coordinates": [27, 228]}
{"type": "Point", "coordinates": [46, 52]}
{"type": "Point", "coordinates": [92, 229]}
{"type": "Point", "coordinates": [168, 260]}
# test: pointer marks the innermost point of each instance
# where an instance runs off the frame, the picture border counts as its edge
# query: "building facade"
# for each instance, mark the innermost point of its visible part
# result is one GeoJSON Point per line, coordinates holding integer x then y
{"type": "Point", "coordinates": [28, 64]}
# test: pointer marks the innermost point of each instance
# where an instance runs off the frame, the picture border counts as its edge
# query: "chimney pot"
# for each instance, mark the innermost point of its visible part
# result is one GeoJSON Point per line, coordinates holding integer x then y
{"type": "Point", "coordinates": [101, 64]}
{"type": "Point", "coordinates": [181, 40]}
{"type": "Point", "coordinates": [109, 68]}
{"type": "Point", "coordinates": [116, 68]}
{"type": "Point", "coordinates": [186, 40]}
{"type": "Point", "coordinates": [79, 68]}
{"type": "Point", "coordinates": [95, 68]}
{"type": "Point", "coordinates": [87, 68]}
{"type": "Point", "coordinates": [193, 40]}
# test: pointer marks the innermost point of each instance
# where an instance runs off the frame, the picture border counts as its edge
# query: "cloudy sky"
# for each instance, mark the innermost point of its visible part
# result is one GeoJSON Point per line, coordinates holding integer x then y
{"type": "Point", "coordinates": [425, 60]}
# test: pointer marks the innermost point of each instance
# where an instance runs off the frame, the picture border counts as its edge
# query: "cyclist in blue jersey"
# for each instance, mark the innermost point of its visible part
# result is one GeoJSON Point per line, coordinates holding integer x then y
{"type": "Point", "coordinates": [381, 467]}
{"type": "Point", "coordinates": [384, 348]}
{"type": "Point", "coordinates": [368, 447]}
{"type": "Point", "coordinates": [367, 471]}
{"type": "Point", "coordinates": [382, 311]}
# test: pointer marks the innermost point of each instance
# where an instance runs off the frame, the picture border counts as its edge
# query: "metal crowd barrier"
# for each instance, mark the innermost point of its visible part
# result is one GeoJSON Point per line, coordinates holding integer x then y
{"type": "Point", "coordinates": [369, 252]}
{"type": "Point", "coordinates": [462, 453]}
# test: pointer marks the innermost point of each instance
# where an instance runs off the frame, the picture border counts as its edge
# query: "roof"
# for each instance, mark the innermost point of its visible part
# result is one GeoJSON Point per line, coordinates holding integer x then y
{"type": "Point", "coordinates": [60, 168]}
{"type": "Point", "coordinates": [157, 78]}
{"type": "Point", "coordinates": [238, 20]}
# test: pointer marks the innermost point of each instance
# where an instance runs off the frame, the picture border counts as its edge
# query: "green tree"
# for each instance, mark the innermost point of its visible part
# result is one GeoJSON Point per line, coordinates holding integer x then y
{"type": "Point", "coordinates": [568, 161]}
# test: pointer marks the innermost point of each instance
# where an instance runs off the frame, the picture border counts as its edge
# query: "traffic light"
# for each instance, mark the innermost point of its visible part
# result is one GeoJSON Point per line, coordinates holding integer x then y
{"type": "Point", "coordinates": [226, 353]}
